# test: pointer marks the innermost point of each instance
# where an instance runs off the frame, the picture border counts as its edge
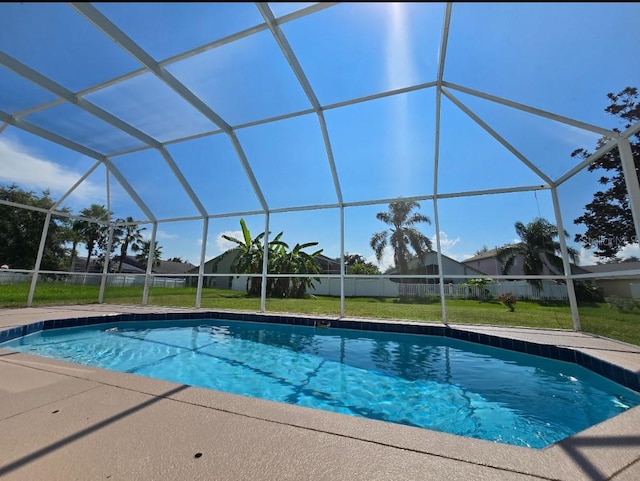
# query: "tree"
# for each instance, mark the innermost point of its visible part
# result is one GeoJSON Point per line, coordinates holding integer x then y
{"type": "Point", "coordinates": [356, 264]}
{"type": "Point", "coordinates": [607, 218]}
{"type": "Point", "coordinates": [294, 261]}
{"type": "Point", "coordinates": [75, 238]}
{"type": "Point", "coordinates": [249, 255]}
{"type": "Point", "coordinates": [538, 248]}
{"type": "Point", "coordinates": [482, 250]}
{"type": "Point", "coordinates": [177, 259]}
{"type": "Point", "coordinates": [403, 237]}
{"type": "Point", "coordinates": [131, 238]}
{"type": "Point", "coordinates": [21, 230]}
{"type": "Point", "coordinates": [93, 234]}
{"type": "Point", "coordinates": [143, 256]}
{"type": "Point", "coordinates": [480, 283]}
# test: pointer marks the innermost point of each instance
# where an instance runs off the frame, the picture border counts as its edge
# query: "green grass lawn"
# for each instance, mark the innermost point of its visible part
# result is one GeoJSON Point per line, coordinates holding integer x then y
{"type": "Point", "coordinates": [597, 319]}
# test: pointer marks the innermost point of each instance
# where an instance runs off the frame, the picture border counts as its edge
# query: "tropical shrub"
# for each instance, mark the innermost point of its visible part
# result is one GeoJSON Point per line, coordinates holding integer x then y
{"type": "Point", "coordinates": [280, 260]}
{"type": "Point", "coordinates": [509, 300]}
{"type": "Point", "coordinates": [588, 292]}
{"type": "Point", "coordinates": [479, 283]}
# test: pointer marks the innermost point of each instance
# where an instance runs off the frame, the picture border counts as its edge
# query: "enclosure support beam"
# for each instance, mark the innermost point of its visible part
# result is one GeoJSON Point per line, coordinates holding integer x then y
{"type": "Point", "coordinates": [342, 310]}
{"type": "Point", "coordinates": [436, 156]}
{"type": "Point", "coordinates": [571, 292]}
{"type": "Point", "coordinates": [443, 302]}
{"type": "Point", "coordinates": [150, 261]}
{"type": "Point", "coordinates": [36, 268]}
{"type": "Point", "coordinates": [265, 265]}
{"type": "Point", "coordinates": [203, 253]}
{"type": "Point", "coordinates": [105, 267]}
{"type": "Point", "coordinates": [499, 138]}
{"type": "Point", "coordinates": [631, 179]}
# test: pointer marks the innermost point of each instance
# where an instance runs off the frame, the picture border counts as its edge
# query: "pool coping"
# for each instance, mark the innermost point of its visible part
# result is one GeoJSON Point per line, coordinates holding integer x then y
{"type": "Point", "coordinates": [609, 450]}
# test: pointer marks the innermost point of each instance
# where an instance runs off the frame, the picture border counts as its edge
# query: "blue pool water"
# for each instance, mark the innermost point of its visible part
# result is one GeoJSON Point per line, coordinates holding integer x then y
{"type": "Point", "coordinates": [429, 382]}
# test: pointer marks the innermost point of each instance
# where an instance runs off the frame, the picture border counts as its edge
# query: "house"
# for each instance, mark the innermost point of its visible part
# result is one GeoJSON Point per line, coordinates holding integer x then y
{"type": "Point", "coordinates": [450, 267]}
{"type": "Point", "coordinates": [615, 285]}
{"type": "Point", "coordinates": [218, 265]}
{"type": "Point", "coordinates": [489, 264]}
{"type": "Point", "coordinates": [131, 266]}
{"type": "Point", "coordinates": [172, 267]}
{"type": "Point", "coordinates": [328, 265]}
{"type": "Point", "coordinates": [222, 265]}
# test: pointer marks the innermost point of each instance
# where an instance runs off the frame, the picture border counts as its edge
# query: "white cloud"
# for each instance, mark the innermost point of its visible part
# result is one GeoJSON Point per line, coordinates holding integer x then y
{"type": "Point", "coordinates": [446, 244]}
{"type": "Point", "coordinates": [165, 235]}
{"type": "Point", "coordinates": [31, 171]}
{"type": "Point", "coordinates": [146, 235]}
{"type": "Point", "coordinates": [586, 257]}
{"type": "Point", "coordinates": [572, 136]}
{"type": "Point", "coordinates": [629, 250]}
{"type": "Point", "coordinates": [386, 262]}
{"type": "Point", "coordinates": [224, 245]}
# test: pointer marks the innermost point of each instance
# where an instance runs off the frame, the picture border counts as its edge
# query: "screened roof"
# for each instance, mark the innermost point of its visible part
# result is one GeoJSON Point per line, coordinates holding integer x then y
{"type": "Point", "coordinates": [180, 111]}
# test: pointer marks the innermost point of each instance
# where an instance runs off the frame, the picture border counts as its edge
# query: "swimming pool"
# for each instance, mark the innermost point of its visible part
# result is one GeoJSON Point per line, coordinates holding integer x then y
{"type": "Point", "coordinates": [431, 382]}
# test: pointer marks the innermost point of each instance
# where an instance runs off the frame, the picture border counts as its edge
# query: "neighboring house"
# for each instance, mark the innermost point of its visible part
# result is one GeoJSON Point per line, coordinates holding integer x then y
{"type": "Point", "coordinates": [328, 265]}
{"type": "Point", "coordinates": [616, 285]}
{"type": "Point", "coordinates": [489, 264]}
{"type": "Point", "coordinates": [450, 267]}
{"type": "Point", "coordinates": [171, 267]}
{"type": "Point", "coordinates": [217, 265]}
{"type": "Point", "coordinates": [131, 266]}
{"type": "Point", "coordinates": [222, 265]}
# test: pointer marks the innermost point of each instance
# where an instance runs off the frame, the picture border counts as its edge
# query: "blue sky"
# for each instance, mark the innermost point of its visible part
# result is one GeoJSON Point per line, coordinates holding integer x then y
{"type": "Point", "coordinates": [560, 58]}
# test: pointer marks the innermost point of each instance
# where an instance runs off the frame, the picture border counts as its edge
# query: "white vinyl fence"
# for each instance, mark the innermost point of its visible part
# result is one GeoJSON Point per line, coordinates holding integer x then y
{"type": "Point", "coordinates": [124, 280]}
{"type": "Point", "coordinates": [520, 289]}
{"type": "Point", "coordinates": [9, 277]}
{"type": "Point", "coordinates": [384, 287]}
{"type": "Point", "coordinates": [365, 287]}
{"type": "Point", "coordinates": [92, 279]}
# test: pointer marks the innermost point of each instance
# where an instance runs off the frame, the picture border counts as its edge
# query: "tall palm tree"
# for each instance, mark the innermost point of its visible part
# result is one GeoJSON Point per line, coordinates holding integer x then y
{"type": "Point", "coordinates": [145, 249]}
{"type": "Point", "coordinates": [75, 238]}
{"type": "Point", "coordinates": [403, 236]}
{"type": "Point", "coordinates": [538, 248]}
{"type": "Point", "coordinates": [92, 233]}
{"type": "Point", "coordinates": [131, 238]}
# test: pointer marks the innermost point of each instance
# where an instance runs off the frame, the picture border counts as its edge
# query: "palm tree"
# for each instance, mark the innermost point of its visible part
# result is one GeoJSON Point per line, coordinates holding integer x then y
{"type": "Point", "coordinates": [145, 250]}
{"type": "Point", "coordinates": [131, 237]}
{"type": "Point", "coordinates": [75, 237]}
{"type": "Point", "coordinates": [403, 235]}
{"type": "Point", "coordinates": [538, 248]}
{"type": "Point", "coordinates": [92, 233]}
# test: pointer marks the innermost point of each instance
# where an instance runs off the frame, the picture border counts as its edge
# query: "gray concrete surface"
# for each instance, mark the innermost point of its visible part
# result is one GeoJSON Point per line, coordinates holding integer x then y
{"type": "Point", "coordinates": [62, 421]}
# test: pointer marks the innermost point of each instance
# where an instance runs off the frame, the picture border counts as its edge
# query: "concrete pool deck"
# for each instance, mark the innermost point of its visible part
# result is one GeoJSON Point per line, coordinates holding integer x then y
{"type": "Point", "coordinates": [62, 421]}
